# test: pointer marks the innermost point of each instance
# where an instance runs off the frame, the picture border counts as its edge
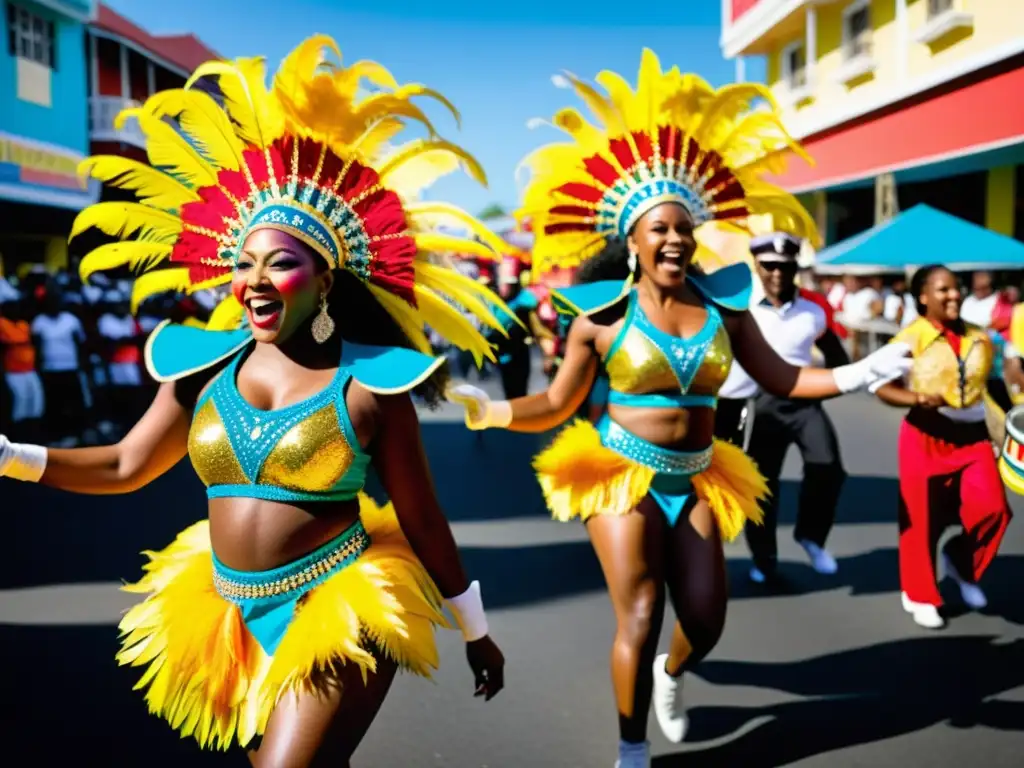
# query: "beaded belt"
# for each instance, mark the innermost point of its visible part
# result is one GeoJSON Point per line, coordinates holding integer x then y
{"type": "Point", "coordinates": [635, 448]}
{"type": "Point", "coordinates": [302, 574]}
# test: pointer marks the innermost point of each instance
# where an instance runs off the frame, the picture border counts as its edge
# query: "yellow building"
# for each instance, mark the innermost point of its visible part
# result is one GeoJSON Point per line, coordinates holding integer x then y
{"type": "Point", "coordinates": [928, 91]}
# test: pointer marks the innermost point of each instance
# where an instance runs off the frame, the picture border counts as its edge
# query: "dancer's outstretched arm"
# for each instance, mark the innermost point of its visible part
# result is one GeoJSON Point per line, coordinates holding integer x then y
{"type": "Point", "coordinates": [155, 444]}
{"type": "Point", "coordinates": [401, 464]}
{"type": "Point", "coordinates": [544, 410]}
{"type": "Point", "coordinates": [781, 379]}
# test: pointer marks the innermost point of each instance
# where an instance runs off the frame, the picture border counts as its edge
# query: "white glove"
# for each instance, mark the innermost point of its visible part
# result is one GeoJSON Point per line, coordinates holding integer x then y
{"type": "Point", "coordinates": [887, 364]}
{"type": "Point", "coordinates": [481, 411]}
{"type": "Point", "coordinates": [19, 461]}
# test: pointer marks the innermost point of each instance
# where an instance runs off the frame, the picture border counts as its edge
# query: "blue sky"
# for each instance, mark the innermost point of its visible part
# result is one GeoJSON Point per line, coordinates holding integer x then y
{"type": "Point", "coordinates": [493, 60]}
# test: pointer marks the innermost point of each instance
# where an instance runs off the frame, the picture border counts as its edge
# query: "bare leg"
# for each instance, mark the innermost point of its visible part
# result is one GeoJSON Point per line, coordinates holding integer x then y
{"type": "Point", "coordinates": [695, 573]}
{"type": "Point", "coordinates": [325, 727]}
{"type": "Point", "coordinates": [630, 550]}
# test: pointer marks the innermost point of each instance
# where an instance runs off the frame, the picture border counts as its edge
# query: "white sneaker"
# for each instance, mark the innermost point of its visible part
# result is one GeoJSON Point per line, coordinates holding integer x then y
{"type": "Point", "coordinates": [821, 559]}
{"type": "Point", "coordinates": [970, 592]}
{"type": "Point", "coordinates": [668, 702]}
{"type": "Point", "coordinates": [634, 755]}
{"type": "Point", "coordinates": [924, 614]}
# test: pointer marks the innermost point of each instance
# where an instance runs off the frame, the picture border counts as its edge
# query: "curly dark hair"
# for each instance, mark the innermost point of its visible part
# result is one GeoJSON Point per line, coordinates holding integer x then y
{"type": "Point", "coordinates": [610, 263]}
{"type": "Point", "coordinates": [919, 281]}
{"type": "Point", "coordinates": [362, 319]}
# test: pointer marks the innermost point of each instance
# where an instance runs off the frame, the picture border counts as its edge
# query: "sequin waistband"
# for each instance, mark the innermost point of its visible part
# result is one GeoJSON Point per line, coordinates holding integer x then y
{"type": "Point", "coordinates": [664, 460]}
{"type": "Point", "coordinates": [302, 574]}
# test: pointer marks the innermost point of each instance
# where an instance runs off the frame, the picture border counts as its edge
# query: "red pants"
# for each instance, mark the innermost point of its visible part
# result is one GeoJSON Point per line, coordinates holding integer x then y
{"type": "Point", "coordinates": [941, 482]}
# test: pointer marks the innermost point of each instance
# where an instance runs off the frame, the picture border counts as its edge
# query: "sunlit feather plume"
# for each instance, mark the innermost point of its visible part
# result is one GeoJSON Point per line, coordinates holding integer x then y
{"type": "Point", "coordinates": [313, 155]}
{"type": "Point", "coordinates": [672, 139]}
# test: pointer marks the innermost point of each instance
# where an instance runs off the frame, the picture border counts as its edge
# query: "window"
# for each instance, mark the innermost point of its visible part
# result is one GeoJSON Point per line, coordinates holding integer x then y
{"type": "Point", "coordinates": [857, 30]}
{"type": "Point", "coordinates": [794, 65]}
{"type": "Point", "coordinates": [939, 7]}
{"type": "Point", "coordinates": [30, 37]}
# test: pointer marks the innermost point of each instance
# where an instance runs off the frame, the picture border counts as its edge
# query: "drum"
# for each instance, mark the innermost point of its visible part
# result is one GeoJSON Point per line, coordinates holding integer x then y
{"type": "Point", "coordinates": [1011, 460]}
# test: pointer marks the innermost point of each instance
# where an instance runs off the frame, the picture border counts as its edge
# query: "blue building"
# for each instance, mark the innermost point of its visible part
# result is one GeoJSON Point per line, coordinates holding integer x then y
{"type": "Point", "coordinates": [44, 128]}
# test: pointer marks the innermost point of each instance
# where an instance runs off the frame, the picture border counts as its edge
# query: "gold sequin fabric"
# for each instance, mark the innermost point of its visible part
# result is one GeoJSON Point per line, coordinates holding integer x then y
{"type": "Point", "coordinates": [938, 370]}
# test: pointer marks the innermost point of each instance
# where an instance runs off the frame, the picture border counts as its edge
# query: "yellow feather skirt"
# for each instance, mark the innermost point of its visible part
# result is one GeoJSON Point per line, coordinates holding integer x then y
{"type": "Point", "coordinates": [209, 677]}
{"type": "Point", "coordinates": [580, 478]}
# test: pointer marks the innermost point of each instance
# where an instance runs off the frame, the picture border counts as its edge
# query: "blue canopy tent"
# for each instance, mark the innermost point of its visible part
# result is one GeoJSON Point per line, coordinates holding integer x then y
{"type": "Point", "coordinates": [919, 236]}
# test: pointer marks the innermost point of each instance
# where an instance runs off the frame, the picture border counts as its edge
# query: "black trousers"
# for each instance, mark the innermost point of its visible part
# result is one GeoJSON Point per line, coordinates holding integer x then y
{"type": "Point", "coordinates": [778, 423]}
{"type": "Point", "coordinates": [731, 420]}
{"type": "Point", "coordinates": [515, 374]}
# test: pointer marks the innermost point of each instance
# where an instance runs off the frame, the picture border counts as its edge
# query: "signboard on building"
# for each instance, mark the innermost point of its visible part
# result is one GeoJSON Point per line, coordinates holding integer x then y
{"type": "Point", "coordinates": [42, 174]}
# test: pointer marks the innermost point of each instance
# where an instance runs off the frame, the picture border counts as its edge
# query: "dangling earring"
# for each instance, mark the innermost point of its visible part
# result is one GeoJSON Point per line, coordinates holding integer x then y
{"type": "Point", "coordinates": [632, 262]}
{"type": "Point", "coordinates": [323, 323]}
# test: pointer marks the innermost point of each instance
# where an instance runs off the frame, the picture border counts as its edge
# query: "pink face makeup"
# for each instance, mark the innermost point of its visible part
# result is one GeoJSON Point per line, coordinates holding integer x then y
{"type": "Point", "coordinates": [293, 281]}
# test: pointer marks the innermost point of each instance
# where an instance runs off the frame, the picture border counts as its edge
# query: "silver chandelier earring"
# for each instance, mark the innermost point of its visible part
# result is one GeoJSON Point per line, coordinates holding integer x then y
{"type": "Point", "coordinates": [323, 323]}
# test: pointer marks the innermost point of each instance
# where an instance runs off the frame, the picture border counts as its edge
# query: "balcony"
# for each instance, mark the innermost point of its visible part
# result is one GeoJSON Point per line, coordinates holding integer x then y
{"type": "Point", "coordinates": [943, 20]}
{"type": "Point", "coordinates": [748, 28]}
{"type": "Point", "coordinates": [103, 110]}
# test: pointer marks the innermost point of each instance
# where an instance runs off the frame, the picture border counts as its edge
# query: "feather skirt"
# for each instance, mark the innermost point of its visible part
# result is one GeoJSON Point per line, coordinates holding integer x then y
{"type": "Point", "coordinates": [208, 676]}
{"type": "Point", "coordinates": [580, 478]}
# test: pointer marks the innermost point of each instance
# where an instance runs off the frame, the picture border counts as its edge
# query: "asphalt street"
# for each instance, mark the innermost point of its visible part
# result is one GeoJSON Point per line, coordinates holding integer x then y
{"type": "Point", "coordinates": [829, 673]}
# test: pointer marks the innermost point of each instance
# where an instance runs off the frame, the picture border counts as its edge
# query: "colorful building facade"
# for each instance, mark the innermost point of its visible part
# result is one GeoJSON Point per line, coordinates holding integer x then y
{"type": "Point", "coordinates": [68, 68]}
{"type": "Point", "coordinates": [43, 127]}
{"type": "Point", "coordinates": [126, 66]}
{"type": "Point", "coordinates": [922, 93]}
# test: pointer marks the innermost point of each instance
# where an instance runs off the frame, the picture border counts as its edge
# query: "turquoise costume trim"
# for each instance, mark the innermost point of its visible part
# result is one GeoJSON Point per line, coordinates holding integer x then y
{"type": "Point", "coordinates": [267, 599]}
{"type": "Point", "coordinates": [662, 400]}
{"type": "Point", "coordinates": [587, 298]}
{"type": "Point", "coordinates": [176, 351]}
{"type": "Point", "coordinates": [254, 434]}
{"type": "Point", "coordinates": [729, 288]}
{"type": "Point", "coordinates": [672, 486]}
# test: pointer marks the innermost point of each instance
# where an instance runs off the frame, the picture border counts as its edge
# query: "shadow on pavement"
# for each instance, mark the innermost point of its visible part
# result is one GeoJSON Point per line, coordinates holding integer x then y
{"type": "Point", "coordinates": [73, 701]}
{"type": "Point", "coordinates": [877, 573]}
{"type": "Point", "coordinates": [857, 697]}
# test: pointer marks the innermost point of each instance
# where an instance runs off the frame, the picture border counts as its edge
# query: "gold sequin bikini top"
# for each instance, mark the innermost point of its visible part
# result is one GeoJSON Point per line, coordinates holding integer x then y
{"type": "Point", "coordinates": [303, 452]}
{"type": "Point", "coordinates": [648, 368]}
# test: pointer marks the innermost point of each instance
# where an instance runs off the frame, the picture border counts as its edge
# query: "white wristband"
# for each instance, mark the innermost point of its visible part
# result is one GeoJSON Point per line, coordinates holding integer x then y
{"type": "Point", "coordinates": [468, 609]}
{"type": "Point", "coordinates": [499, 414]}
{"type": "Point", "coordinates": [20, 461]}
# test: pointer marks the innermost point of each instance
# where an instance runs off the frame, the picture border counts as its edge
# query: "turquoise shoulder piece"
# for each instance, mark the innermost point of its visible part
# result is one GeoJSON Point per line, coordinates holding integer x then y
{"type": "Point", "coordinates": [387, 370]}
{"type": "Point", "coordinates": [589, 298]}
{"type": "Point", "coordinates": [176, 351]}
{"type": "Point", "coordinates": [729, 287]}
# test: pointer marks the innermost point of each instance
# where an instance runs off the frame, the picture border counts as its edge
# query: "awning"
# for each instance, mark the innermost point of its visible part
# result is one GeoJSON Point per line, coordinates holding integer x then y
{"type": "Point", "coordinates": [975, 127]}
{"type": "Point", "coordinates": [923, 235]}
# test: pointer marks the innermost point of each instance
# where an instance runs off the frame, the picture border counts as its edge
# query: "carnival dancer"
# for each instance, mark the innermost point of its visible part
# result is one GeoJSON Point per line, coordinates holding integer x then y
{"type": "Point", "coordinates": [945, 452]}
{"type": "Point", "coordinates": [647, 480]}
{"type": "Point", "coordinates": [794, 327]}
{"type": "Point", "coordinates": [279, 624]}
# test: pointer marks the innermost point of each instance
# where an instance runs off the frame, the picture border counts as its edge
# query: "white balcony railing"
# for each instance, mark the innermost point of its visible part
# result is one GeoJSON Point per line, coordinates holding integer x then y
{"type": "Point", "coordinates": [102, 112]}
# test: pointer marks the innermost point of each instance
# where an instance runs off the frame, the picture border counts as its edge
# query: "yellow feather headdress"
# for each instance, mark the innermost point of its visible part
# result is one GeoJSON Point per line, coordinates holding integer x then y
{"type": "Point", "coordinates": [309, 156]}
{"type": "Point", "coordinates": [673, 139]}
